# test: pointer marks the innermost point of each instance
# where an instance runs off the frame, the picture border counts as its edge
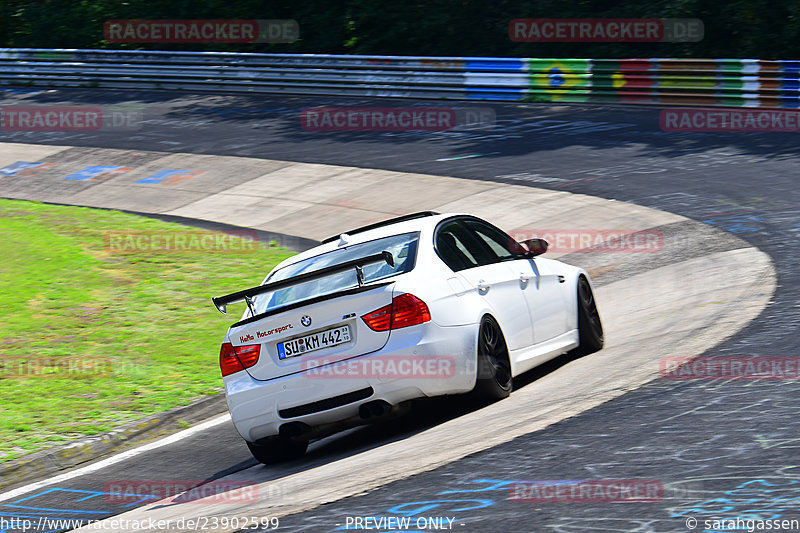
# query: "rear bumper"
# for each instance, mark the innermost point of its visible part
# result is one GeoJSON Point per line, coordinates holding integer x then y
{"type": "Point", "coordinates": [418, 361]}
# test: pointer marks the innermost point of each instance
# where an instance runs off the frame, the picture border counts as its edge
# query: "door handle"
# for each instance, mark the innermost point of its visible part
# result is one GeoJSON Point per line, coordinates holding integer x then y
{"type": "Point", "coordinates": [524, 277]}
{"type": "Point", "coordinates": [561, 279]}
{"type": "Point", "coordinates": [483, 286]}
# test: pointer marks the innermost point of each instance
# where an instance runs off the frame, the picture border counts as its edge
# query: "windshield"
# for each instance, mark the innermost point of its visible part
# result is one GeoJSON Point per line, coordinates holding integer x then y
{"type": "Point", "coordinates": [402, 247]}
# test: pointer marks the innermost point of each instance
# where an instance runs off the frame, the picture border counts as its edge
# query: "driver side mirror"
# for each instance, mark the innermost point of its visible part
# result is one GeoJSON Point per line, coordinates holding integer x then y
{"type": "Point", "coordinates": [535, 247]}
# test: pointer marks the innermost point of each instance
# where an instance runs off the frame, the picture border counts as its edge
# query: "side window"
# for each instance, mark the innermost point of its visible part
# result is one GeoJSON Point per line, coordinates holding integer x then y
{"type": "Point", "coordinates": [502, 246]}
{"type": "Point", "coordinates": [457, 248]}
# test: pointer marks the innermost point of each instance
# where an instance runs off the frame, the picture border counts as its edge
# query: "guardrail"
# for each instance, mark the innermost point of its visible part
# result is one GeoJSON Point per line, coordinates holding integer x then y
{"type": "Point", "coordinates": [700, 82]}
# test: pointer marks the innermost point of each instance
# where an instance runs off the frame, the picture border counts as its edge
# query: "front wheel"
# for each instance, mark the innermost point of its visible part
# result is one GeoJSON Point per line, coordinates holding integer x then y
{"type": "Point", "coordinates": [494, 369]}
{"type": "Point", "coordinates": [590, 328]}
{"type": "Point", "coordinates": [277, 449]}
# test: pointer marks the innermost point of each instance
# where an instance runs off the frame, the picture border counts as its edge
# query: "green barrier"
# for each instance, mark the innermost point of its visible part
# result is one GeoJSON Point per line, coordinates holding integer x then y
{"type": "Point", "coordinates": [557, 80]}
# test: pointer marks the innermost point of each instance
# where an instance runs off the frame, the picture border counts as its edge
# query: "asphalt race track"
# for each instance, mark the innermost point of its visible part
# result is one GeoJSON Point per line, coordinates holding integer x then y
{"type": "Point", "coordinates": [718, 449]}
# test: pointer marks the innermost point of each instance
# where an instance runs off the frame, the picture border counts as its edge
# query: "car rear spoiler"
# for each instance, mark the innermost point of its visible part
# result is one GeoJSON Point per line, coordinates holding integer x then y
{"type": "Point", "coordinates": [222, 302]}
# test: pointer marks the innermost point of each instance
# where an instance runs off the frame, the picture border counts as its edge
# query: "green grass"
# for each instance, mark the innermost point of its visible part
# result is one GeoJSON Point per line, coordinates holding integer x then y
{"type": "Point", "coordinates": [144, 317]}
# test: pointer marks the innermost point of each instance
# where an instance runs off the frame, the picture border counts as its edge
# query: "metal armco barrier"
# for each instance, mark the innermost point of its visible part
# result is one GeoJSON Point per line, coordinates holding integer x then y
{"type": "Point", "coordinates": [701, 82]}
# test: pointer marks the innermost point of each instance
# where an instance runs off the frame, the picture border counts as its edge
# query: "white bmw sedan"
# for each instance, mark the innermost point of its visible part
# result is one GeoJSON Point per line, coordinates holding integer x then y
{"type": "Point", "coordinates": [422, 305]}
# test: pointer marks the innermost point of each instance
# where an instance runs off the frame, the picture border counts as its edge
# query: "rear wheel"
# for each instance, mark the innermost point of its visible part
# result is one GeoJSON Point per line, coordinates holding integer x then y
{"type": "Point", "coordinates": [494, 369]}
{"type": "Point", "coordinates": [277, 449]}
{"type": "Point", "coordinates": [589, 326]}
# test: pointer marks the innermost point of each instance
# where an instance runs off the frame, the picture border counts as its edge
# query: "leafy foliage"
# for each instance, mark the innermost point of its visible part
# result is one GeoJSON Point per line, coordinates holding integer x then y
{"type": "Point", "coordinates": [765, 29]}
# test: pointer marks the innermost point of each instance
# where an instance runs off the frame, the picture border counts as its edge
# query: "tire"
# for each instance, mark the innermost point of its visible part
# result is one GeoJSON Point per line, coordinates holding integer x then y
{"type": "Point", "coordinates": [277, 449]}
{"type": "Point", "coordinates": [494, 381]}
{"type": "Point", "coordinates": [590, 328]}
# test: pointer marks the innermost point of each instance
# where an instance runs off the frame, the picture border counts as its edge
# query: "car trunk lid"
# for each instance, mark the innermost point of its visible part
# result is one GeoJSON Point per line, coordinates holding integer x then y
{"type": "Point", "coordinates": [317, 333]}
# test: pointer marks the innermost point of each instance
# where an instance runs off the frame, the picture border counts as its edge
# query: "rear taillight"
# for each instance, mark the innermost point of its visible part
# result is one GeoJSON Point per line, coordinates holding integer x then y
{"type": "Point", "coordinates": [405, 310]}
{"type": "Point", "coordinates": [235, 359]}
{"type": "Point", "coordinates": [379, 319]}
{"type": "Point", "coordinates": [408, 310]}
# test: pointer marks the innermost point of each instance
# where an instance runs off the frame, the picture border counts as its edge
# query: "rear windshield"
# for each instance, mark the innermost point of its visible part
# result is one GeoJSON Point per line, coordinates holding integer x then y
{"type": "Point", "coordinates": [402, 247]}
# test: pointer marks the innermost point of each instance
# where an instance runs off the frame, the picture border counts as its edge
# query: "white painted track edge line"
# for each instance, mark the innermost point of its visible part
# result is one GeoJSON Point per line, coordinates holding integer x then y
{"type": "Point", "coordinates": [117, 458]}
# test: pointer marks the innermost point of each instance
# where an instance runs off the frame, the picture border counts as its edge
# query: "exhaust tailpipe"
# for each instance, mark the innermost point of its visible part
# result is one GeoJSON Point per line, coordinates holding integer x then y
{"type": "Point", "coordinates": [374, 409]}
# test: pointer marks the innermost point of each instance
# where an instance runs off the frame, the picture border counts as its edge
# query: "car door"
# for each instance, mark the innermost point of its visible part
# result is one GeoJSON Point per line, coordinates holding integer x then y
{"type": "Point", "coordinates": [545, 295]}
{"type": "Point", "coordinates": [495, 281]}
{"type": "Point", "coordinates": [541, 285]}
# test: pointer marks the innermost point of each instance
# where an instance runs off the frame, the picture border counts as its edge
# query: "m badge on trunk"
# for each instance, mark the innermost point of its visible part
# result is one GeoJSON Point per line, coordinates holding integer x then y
{"type": "Point", "coordinates": [306, 320]}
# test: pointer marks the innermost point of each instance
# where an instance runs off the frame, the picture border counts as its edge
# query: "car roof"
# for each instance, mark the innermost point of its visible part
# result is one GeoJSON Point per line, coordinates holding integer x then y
{"type": "Point", "coordinates": [389, 222]}
{"type": "Point", "coordinates": [405, 224]}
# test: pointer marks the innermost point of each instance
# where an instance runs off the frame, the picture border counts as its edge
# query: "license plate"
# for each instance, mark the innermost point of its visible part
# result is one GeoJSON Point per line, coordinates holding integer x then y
{"type": "Point", "coordinates": [316, 341]}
